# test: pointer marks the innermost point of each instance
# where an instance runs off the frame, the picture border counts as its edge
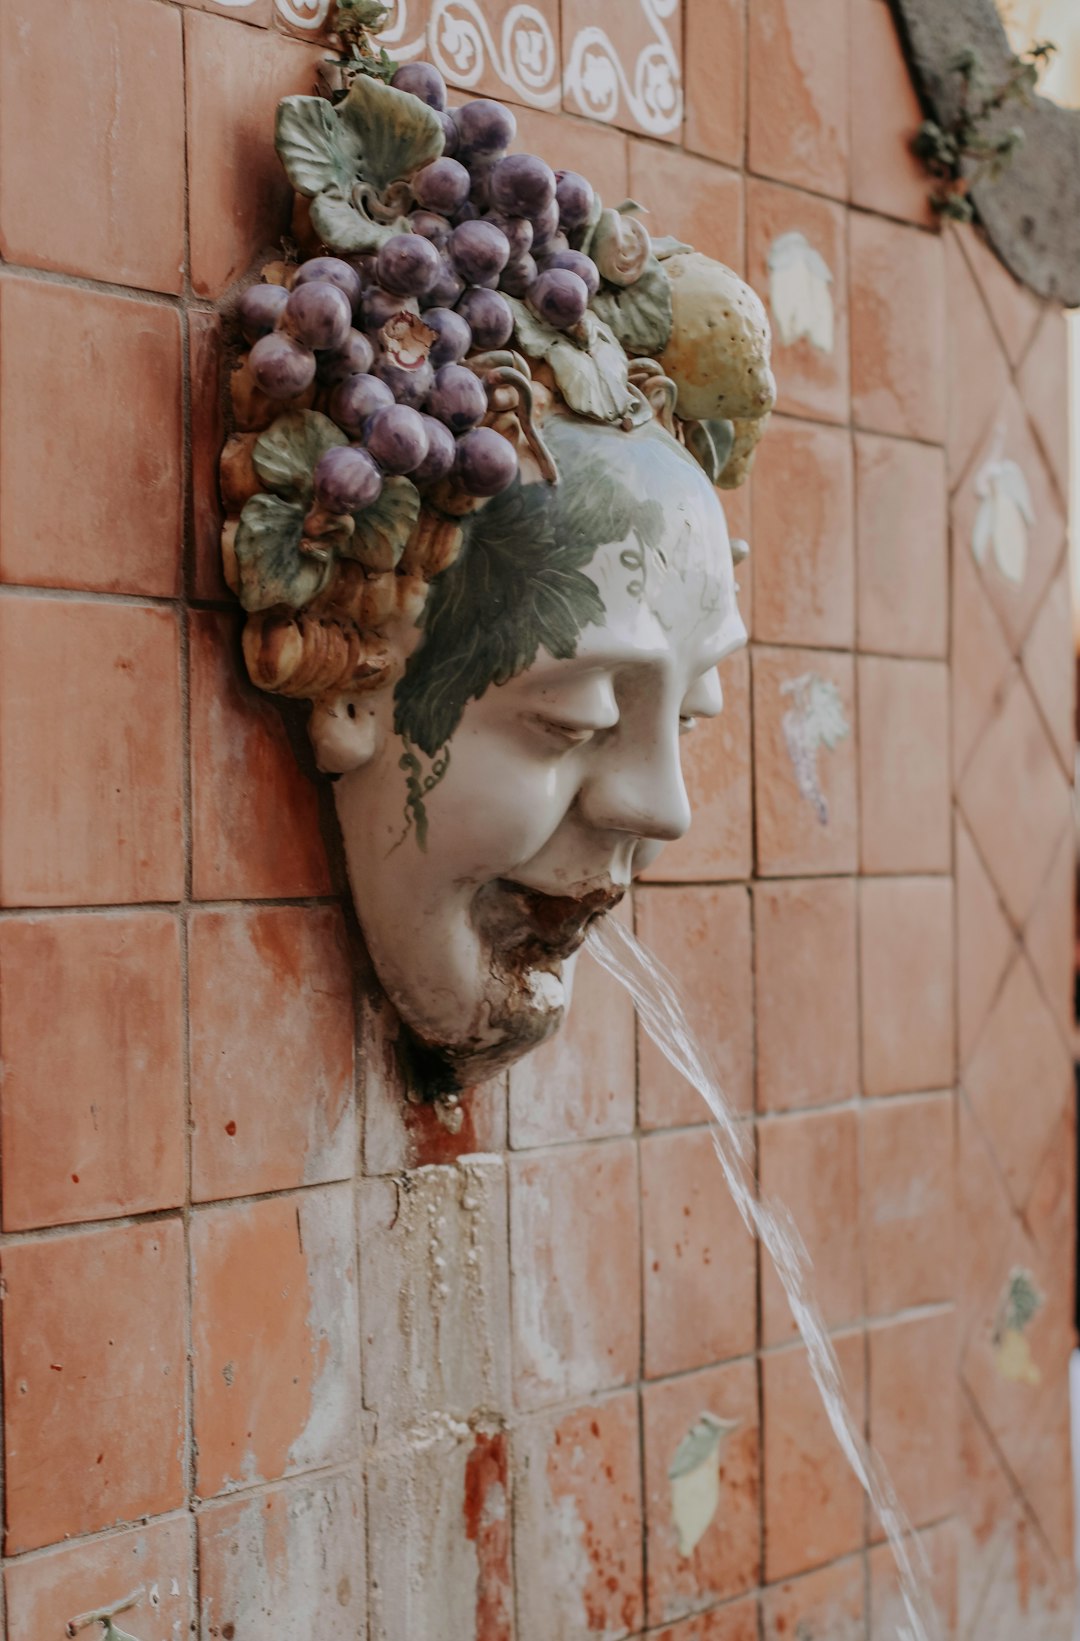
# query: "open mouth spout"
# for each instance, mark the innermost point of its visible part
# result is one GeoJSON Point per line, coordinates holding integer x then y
{"type": "Point", "coordinates": [542, 926]}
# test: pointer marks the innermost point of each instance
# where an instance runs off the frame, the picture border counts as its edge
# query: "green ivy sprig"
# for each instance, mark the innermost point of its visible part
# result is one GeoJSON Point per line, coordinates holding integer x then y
{"type": "Point", "coordinates": [354, 22]}
{"type": "Point", "coordinates": [962, 152]}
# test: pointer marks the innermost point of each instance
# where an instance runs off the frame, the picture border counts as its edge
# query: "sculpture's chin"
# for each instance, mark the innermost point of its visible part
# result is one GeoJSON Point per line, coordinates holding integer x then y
{"type": "Point", "coordinates": [518, 1015]}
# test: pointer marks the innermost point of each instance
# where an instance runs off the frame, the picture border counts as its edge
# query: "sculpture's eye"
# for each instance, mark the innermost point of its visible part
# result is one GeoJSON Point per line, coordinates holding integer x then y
{"type": "Point", "coordinates": [562, 733]}
{"type": "Point", "coordinates": [687, 722]}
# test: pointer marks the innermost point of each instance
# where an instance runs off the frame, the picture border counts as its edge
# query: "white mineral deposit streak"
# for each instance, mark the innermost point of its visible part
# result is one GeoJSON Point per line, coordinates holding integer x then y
{"type": "Point", "coordinates": [661, 1013]}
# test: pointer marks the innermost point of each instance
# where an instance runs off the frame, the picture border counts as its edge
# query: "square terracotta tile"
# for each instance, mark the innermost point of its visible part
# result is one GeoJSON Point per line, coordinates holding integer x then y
{"type": "Point", "coordinates": [90, 775]}
{"type": "Point", "coordinates": [108, 203]}
{"type": "Point", "coordinates": [575, 1271]}
{"type": "Point", "coordinates": [1049, 660]}
{"type": "Point", "coordinates": [977, 368]}
{"type": "Point", "coordinates": [578, 1522]}
{"type": "Point", "coordinates": [797, 262]}
{"type": "Point", "coordinates": [803, 555]}
{"type": "Point", "coordinates": [985, 942]}
{"type": "Point", "coordinates": [1017, 839]}
{"type": "Point", "coordinates": [938, 1545]}
{"type": "Point", "coordinates": [702, 937]}
{"type": "Point", "coordinates": [240, 197]}
{"type": "Point", "coordinates": [1007, 515]}
{"type": "Point", "coordinates": [810, 1163]}
{"type": "Point", "coordinates": [734, 1621]}
{"type": "Point", "coordinates": [906, 966]}
{"type": "Point", "coordinates": [207, 351]}
{"type": "Point", "coordinates": [798, 76]}
{"type": "Point", "coordinates": [897, 329]}
{"type": "Point", "coordinates": [913, 1397]}
{"type": "Point", "coordinates": [824, 1606]}
{"type": "Point", "coordinates": [435, 1299]}
{"type": "Point", "coordinates": [716, 769]}
{"type": "Point", "coordinates": [804, 762]}
{"type": "Point", "coordinates": [292, 1557]}
{"type": "Point", "coordinates": [271, 1050]}
{"type": "Point", "coordinates": [715, 79]}
{"type": "Point", "coordinates": [85, 1311]}
{"type": "Point", "coordinates": [700, 1263]}
{"type": "Point", "coordinates": [581, 1084]}
{"type": "Point", "coordinates": [90, 1019]}
{"type": "Point", "coordinates": [276, 1347]}
{"type": "Point", "coordinates": [901, 507]}
{"type": "Point", "coordinates": [102, 374]}
{"type": "Point", "coordinates": [44, 1592]}
{"type": "Point", "coordinates": [905, 795]}
{"type": "Point", "coordinates": [599, 152]}
{"type": "Point", "coordinates": [806, 993]}
{"type": "Point", "coordinates": [694, 199]}
{"type": "Point", "coordinates": [813, 1502]}
{"type": "Point", "coordinates": [702, 1490]}
{"type": "Point", "coordinates": [907, 1195]}
{"type": "Point", "coordinates": [1018, 1078]}
{"type": "Point", "coordinates": [623, 64]}
{"type": "Point", "coordinates": [885, 115]}
{"type": "Point", "coordinates": [267, 842]}
{"type": "Point", "coordinates": [496, 51]}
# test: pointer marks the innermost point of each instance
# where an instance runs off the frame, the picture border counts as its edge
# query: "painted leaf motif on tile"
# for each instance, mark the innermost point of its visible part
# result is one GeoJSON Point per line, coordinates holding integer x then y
{"type": "Point", "coordinates": [1005, 518]}
{"type": "Point", "coordinates": [799, 295]}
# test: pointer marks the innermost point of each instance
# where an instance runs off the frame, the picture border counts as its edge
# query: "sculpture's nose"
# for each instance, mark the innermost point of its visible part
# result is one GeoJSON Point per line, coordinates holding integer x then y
{"type": "Point", "coordinates": [640, 790]}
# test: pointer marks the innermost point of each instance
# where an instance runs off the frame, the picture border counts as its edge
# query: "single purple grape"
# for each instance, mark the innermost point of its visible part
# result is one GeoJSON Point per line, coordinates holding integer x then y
{"type": "Point", "coordinates": [484, 127]}
{"type": "Point", "coordinates": [380, 305]}
{"type": "Point", "coordinates": [441, 452]}
{"type": "Point", "coordinates": [518, 231]}
{"type": "Point", "coordinates": [578, 263]}
{"type": "Point", "coordinates": [488, 316]}
{"type": "Point", "coordinates": [356, 357]}
{"type": "Point", "coordinates": [522, 185]}
{"type": "Point", "coordinates": [280, 366]}
{"type": "Point", "coordinates": [423, 80]}
{"type": "Point", "coordinates": [575, 198]}
{"type": "Point", "coordinates": [260, 308]}
{"type": "Point", "coordinates": [441, 186]}
{"type": "Point", "coordinates": [448, 288]}
{"type": "Point", "coordinates": [458, 398]}
{"type": "Point", "coordinates": [397, 439]}
{"type": "Point", "coordinates": [453, 333]}
{"type": "Point", "coordinates": [346, 479]}
{"type": "Point", "coordinates": [319, 315]}
{"type": "Point", "coordinates": [560, 297]}
{"type": "Point", "coordinates": [545, 227]}
{"type": "Point", "coordinates": [433, 227]}
{"type": "Point", "coordinates": [479, 251]}
{"type": "Point", "coordinates": [518, 277]}
{"type": "Point", "coordinates": [408, 387]}
{"type": "Point", "coordinates": [357, 398]}
{"type": "Point", "coordinates": [450, 134]}
{"type": "Point", "coordinates": [407, 263]}
{"type": "Point", "coordinates": [486, 462]}
{"type": "Point", "coordinates": [334, 270]}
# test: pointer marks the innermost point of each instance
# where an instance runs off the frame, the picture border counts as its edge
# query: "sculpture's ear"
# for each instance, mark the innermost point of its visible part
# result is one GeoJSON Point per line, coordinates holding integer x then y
{"type": "Point", "coordinates": [344, 732]}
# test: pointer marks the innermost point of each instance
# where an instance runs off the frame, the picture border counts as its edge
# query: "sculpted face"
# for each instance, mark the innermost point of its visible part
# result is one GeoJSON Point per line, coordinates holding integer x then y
{"type": "Point", "coordinates": [528, 764]}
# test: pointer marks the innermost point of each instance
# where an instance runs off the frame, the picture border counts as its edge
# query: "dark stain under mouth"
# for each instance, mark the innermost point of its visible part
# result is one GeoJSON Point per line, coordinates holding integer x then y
{"type": "Point", "coordinates": [541, 927]}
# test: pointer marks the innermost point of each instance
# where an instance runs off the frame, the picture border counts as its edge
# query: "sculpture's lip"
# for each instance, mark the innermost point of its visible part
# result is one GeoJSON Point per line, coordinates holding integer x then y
{"type": "Point", "coordinates": [558, 924]}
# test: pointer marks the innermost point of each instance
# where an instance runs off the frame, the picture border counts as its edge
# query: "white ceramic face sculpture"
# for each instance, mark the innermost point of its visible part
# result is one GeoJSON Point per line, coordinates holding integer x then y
{"type": "Point", "coordinates": [558, 782]}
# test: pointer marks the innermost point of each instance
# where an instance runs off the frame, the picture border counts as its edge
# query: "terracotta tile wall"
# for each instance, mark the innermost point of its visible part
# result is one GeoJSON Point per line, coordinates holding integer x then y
{"type": "Point", "coordinates": [281, 1351]}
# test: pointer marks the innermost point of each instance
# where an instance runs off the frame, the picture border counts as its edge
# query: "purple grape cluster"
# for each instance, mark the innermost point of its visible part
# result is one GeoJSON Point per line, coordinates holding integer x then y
{"type": "Point", "coordinates": [382, 338]}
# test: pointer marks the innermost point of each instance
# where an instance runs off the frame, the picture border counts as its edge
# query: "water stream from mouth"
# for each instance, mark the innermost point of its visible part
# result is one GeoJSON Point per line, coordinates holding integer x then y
{"type": "Point", "coordinates": [661, 1013]}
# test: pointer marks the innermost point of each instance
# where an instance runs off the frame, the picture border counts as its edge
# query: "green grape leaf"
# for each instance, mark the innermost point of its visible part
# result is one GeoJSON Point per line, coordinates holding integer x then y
{"type": "Point", "coordinates": [393, 131]}
{"type": "Point", "coordinates": [318, 151]}
{"type": "Point", "coordinates": [285, 456]}
{"type": "Point", "coordinates": [273, 570]}
{"type": "Point", "coordinates": [710, 443]}
{"type": "Point", "coordinates": [639, 314]}
{"type": "Point", "coordinates": [346, 228]}
{"type": "Point", "coordinates": [383, 529]}
{"type": "Point", "coordinates": [590, 367]}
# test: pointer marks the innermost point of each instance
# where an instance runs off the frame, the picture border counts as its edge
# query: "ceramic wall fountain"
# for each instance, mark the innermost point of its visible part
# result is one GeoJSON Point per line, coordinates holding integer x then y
{"type": "Point", "coordinates": [472, 520]}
